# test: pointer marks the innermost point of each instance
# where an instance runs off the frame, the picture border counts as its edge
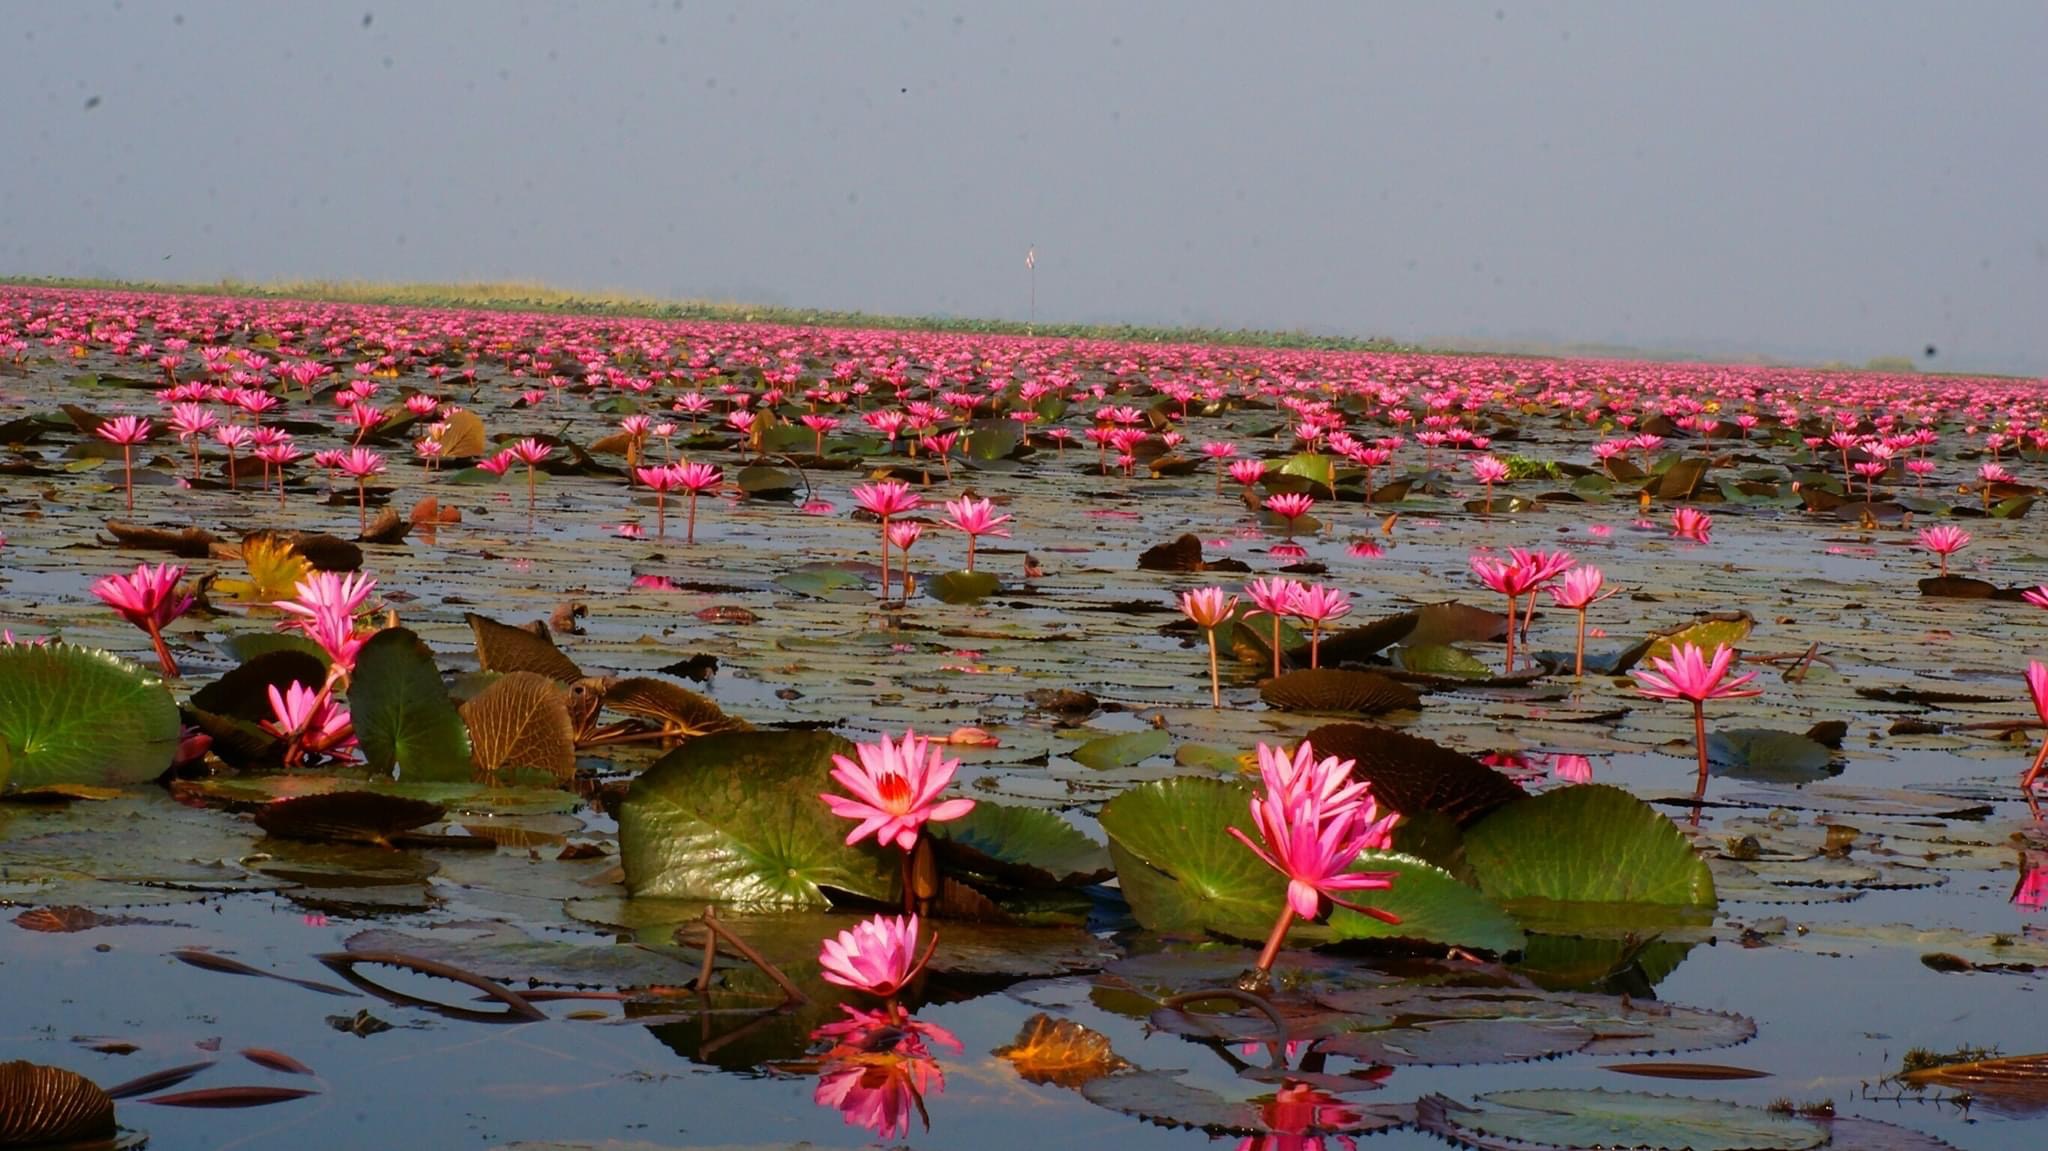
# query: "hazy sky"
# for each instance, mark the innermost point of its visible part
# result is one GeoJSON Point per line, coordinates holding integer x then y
{"type": "Point", "coordinates": [1805, 179]}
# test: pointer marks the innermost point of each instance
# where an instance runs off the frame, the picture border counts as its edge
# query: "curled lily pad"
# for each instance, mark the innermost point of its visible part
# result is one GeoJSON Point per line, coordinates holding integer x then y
{"type": "Point", "coordinates": [242, 693]}
{"type": "Point", "coordinates": [71, 715]}
{"type": "Point", "coordinates": [677, 712]}
{"type": "Point", "coordinates": [503, 648]}
{"type": "Point", "coordinates": [1329, 689]}
{"type": "Point", "coordinates": [1060, 1052]}
{"type": "Point", "coordinates": [46, 1106]}
{"type": "Point", "coordinates": [1565, 1118]}
{"type": "Point", "coordinates": [521, 721]}
{"type": "Point", "coordinates": [2013, 1084]}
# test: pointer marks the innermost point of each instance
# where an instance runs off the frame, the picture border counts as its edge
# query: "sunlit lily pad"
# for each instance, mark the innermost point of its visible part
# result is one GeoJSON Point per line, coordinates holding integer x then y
{"type": "Point", "coordinates": [1111, 751]}
{"type": "Point", "coordinates": [69, 715]}
{"type": "Point", "coordinates": [1590, 844]}
{"type": "Point", "coordinates": [736, 818]}
{"type": "Point", "coordinates": [1021, 845]}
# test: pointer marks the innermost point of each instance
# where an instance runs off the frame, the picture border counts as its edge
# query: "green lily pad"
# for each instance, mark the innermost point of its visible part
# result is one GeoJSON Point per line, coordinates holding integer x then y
{"type": "Point", "coordinates": [246, 646]}
{"type": "Point", "coordinates": [1768, 756]}
{"type": "Point", "coordinates": [71, 715]}
{"type": "Point", "coordinates": [826, 582]}
{"type": "Point", "coordinates": [1311, 466]}
{"type": "Point", "coordinates": [1445, 660]}
{"type": "Point", "coordinates": [1565, 1118]}
{"type": "Point", "coordinates": [1706, 634]}
{"type": "Point", "coordinates": [961, 587]}
{"type": "Point", "coordinates": [1112, 751]}
{"type": "Point", "coordinates": [736, 818]}
{"type": "Point", "coordinates": [403, 717]}
{"type": "Point", "coordinates": [1025, 845]}
{"type": "Point", "coordinates": [1180, 870]}
{"type": "Point", "coordinates": [1547, 856]}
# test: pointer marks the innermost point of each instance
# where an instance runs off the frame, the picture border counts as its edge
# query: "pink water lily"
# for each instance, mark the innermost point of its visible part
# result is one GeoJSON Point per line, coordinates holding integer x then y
{"type": "Point", "coordinates": [975, 518]}
{"type": "Point", "coordinates": [893, 789]}
{"type": "Point", "coordinates": [150, 600]}
{"type": "Point", "coordinates": [1944, 540]}
{"type": "Point", "coordinates": [2037, 687]}
{"type": "Point", "coordinates": [1578, 590]}
{"type": "Point", "coordinates": [126, 431]}
{"type": "Point", "coordinates": [310, 723]}
{"type": "Point", "coordinates": [1692, 676]}
{"type": "Point", "coordinates": [325, 607]}
{"type": "Point", "coordinates": [877, 955]}
{"type": "Point", "coordinates": [1312, 831]}
{"type": "Point", "coordinates": [1208, 608]}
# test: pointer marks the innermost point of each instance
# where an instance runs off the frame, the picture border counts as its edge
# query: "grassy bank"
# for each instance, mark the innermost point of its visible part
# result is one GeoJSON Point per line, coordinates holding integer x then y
{"type": "Point", "coordinates": [534, 297]}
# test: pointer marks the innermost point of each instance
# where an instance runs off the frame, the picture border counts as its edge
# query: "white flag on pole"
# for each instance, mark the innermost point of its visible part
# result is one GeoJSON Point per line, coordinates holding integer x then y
{"type": "Point", "coordinates": [1030, 258]}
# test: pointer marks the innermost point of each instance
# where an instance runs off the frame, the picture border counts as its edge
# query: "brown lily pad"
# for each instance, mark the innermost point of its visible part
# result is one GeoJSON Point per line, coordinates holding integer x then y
{"type": "Point", "coordinates": [1411, 774]}
{"type": "Point", "coordinates": [48, 1105]}
{"type": "Point", "coordinates": [1338, 690]}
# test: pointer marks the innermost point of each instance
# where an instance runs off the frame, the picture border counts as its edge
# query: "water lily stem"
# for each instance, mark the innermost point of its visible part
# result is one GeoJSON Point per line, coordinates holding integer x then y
{"type": "Point", "coordinates": [1215, 683]}
{"type": "Point", "coordinates": [1273, 941]}
{"type": "Point", "coordinates": [1579, 654]}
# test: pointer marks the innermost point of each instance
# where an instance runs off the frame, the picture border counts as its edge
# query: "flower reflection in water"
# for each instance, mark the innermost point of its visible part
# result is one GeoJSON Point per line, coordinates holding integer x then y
{"type": "Point", "coordinates": [2031, 892]}
{"type": "Point", "coordinates": [1298, 1118]}
{"type": "Point", "coordinates": [877, 1067]}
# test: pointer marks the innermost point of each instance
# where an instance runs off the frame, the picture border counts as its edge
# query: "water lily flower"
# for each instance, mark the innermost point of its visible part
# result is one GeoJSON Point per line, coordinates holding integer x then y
{"type": "Point", "coordinates": [1489, 470]}
{"type": "Point", "coordinates": [126, 431]}
{"type": "Point", "coordinates": [1689, 523]}
{"type": "Point", "coordinates": [885, 500]}
{"type": "Point", "coordinates": [1580, 589]}
{"type": "Point", "coordinates": [1511, 578]}
{"type": "Point", "coordinates": [2037, 686]}
{"type": "Point", "coordinates": [877, 955]}
{"type": "Point", "coordinates": [1274, 596]}
{"type": "Point", "coordinates": [1314, 841]}
{"type": "Point", "coordinates": [150, 600]}
{"type": "Point", "coordinates": [974, 518]}
{"type": "Point", "coordinates": [1944, 540]}
{"type": "Point", "coordinates": [360, 464]}
{"type": "Point", "coordinates": [1317, 605]}
{"type": "Point", "coordinates": [326, 606]}
{"type": "Point", "coordinates": [1694, 677]}
{"type": "Point", "coordinates": [309, 721]}
{"type": "Point", "coordinates": [894, 790]}
{"type": "Point", "coordinates": [1208, 608]}
{"type": "Point", "coordinates": [1290, 506]}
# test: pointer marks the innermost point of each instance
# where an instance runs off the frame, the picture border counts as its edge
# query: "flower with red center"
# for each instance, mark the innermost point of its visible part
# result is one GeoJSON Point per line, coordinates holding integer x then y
{"type": "Point", "coordinates": [150, 600]}
{"type": "Point", "coordinates": [894, 789]}
{"type": "Point", "coordinates": [1944, 540]}
{"type": "Point", "coordinates": [975, 518]}
{"type": "Point", "coordinates": [877, 955]}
